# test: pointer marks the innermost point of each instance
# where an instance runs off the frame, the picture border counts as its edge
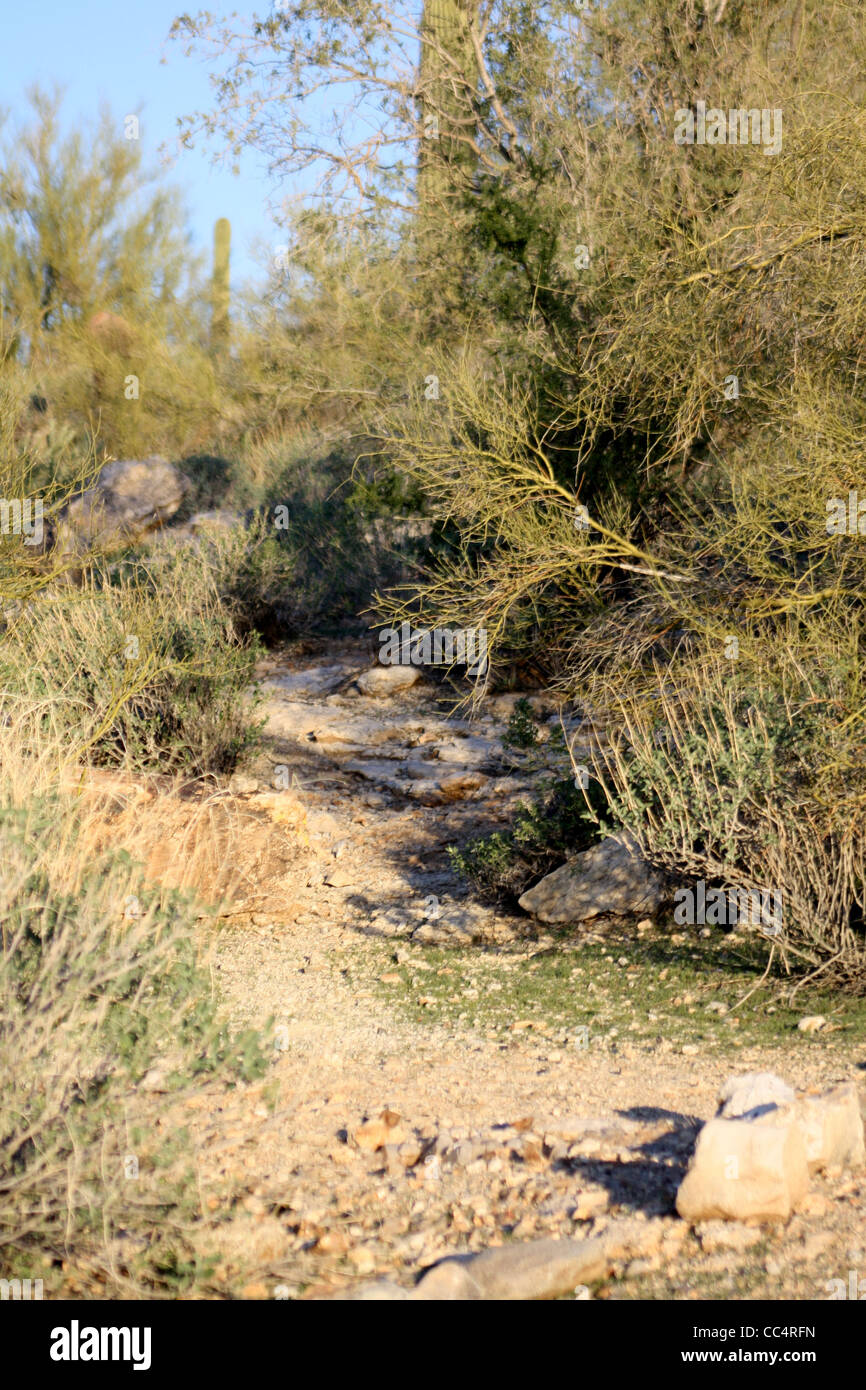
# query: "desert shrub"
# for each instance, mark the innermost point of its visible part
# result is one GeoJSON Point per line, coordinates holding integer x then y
{"type": "Point", "coordinates": [210, 479]}
{"type": "Point", "coordinates": [731, 685]}
{"type": "Point", "coordinates": [254, 574]}
{"type": "Point", "coordinates": [756, 787]}
{"type": "Point", "coordinates": [246, 566]}
{"type": "Point", "coordinates": [336, 517]}
{"type": "Point", "coordinates": [102, 980]}
{"type": "Point", "coordinates": [27, 566]}
{"type": "Point", "coordinates": [137, 668]}
{"type": "Point", "coordinates": [522, 731]}
{"type": "Point", "coordinates": [312, 538]}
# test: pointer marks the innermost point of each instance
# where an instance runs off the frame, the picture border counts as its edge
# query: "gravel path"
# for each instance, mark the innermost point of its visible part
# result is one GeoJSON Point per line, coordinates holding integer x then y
{"type": "Point", "coordinates": [378, 1144]}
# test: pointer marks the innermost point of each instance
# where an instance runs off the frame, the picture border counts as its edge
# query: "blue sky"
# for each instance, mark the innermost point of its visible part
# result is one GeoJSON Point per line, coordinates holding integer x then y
{"type": "Point", "coordinates": [103, 50]}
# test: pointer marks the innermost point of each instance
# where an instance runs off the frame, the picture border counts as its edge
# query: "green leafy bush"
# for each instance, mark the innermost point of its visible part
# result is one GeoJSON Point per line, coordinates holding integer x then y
{"type": "Point", "coordinates": [563, 817]}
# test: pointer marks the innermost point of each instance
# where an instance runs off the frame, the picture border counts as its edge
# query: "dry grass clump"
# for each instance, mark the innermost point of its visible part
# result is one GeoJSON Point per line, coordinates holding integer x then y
{"type": "Point", "coordinates": [106, 1000]}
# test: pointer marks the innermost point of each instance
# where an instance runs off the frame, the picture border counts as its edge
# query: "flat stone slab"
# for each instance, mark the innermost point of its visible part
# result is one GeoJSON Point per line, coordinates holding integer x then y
{"type": "Point", "coordinates": [537, 1269]}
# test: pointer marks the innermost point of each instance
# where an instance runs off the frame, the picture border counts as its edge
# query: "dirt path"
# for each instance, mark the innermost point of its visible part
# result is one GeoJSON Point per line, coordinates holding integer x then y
{"type": "Point", "coordinates": [382, 1140]}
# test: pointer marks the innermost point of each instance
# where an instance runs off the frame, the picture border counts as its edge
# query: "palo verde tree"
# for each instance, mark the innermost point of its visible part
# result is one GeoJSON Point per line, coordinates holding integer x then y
{"type": "Point", "coordinates": [84, 226]}
{"type": "Point", "coordinates": [100, 301]}
{"type": "Point", "coordinates": [404, 105]}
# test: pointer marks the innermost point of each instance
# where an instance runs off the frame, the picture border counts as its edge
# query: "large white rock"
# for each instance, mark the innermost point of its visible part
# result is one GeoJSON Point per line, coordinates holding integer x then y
{"type": "Point", "coordinates": [612, 876]}
{"type": "Point", "coordinates": [746, 1170]}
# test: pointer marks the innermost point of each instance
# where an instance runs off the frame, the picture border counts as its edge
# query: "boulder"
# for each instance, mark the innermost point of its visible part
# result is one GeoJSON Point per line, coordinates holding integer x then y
{"type": "Point", "coordinates": [454, 924]}
{"type": "Point", "coordinates": [128, 499]}
{"type": "Point", "coordinates": [381, 681]}
{"type": "Point", "coordinates": [832, 1128]}
{"type": "Point", "coordinates": [612, 877]}
{"type": "Point", "coordinates": [449, 1281]}
{"type": "Point", "coordinates": [751, 1169]}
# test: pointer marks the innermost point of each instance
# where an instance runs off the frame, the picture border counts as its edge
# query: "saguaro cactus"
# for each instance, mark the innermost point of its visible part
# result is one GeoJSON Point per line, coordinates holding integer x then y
{"type": "Point", "coordinates": [446, 75]}
{"type": "Point", "coordinates": [219, 330]}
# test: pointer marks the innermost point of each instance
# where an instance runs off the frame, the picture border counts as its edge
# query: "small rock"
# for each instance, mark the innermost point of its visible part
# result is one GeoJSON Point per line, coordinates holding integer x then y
{"type": "Point", "coordinates": [363, 1258]}
{"type": "Point", "coordinates": [537, 1269]}
{"type": "Point", "coordinates": [156, 1080]}
{"type": "Point", "coordinates": [812, 1023]}
{"type": "Point", "coordinates": [450, 1280]}
{"type": "Point", "coordinates": [333, 1243]}
{"type": "Point", "coordinates": [752, 1094]}
{"type": "Point", "coordinates": [590, 1203]}
{"type": "Point", "coordinates": [410, 1152]}
{"type": "Point", "coordinates": [252, 1291]}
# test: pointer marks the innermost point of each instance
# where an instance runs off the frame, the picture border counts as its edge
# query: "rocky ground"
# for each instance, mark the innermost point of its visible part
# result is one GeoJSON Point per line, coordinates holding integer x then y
{"type": "Point", "coordinates": [424, 1100]}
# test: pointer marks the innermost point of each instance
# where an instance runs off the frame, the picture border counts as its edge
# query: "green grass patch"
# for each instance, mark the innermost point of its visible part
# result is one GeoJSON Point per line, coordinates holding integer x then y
{"type": "Point", "coordinates": [656, 989]}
